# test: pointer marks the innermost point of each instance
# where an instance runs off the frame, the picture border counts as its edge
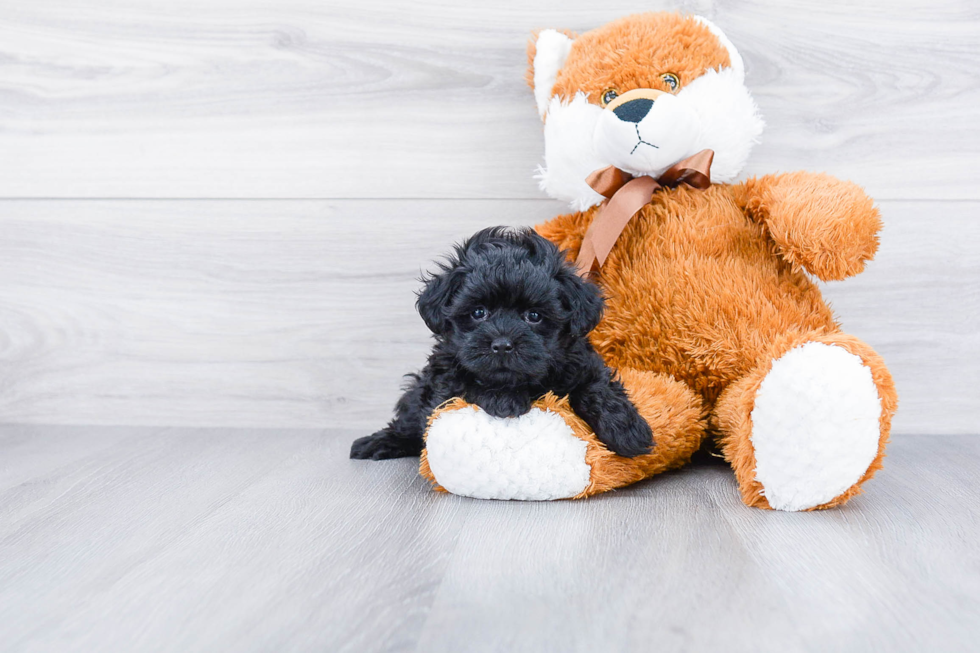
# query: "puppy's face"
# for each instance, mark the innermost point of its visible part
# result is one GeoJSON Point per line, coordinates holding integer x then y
{"type": "Point", "coordinates": [508, 305]}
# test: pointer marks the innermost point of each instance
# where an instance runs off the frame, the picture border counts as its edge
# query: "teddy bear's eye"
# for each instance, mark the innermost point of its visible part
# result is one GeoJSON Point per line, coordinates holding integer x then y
{"type": "Point", "coordinates": [608, 96]}
{"type": "Point", "coordinates": [671, 80]}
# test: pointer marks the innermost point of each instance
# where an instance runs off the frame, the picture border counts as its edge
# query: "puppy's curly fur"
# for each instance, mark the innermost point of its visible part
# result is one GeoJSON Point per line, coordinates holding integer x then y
{"type": "Point", "coordinates": [510, 318]}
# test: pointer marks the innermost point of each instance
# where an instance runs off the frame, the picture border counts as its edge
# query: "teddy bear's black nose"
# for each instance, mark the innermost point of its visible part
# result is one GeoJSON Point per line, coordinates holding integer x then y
{"type": "Point", "coordinates": [634, 110]}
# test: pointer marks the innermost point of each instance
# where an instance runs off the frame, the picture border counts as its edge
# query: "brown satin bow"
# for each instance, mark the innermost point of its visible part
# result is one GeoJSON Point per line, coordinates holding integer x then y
{"type": "Point", "coordinates": [626, 195]}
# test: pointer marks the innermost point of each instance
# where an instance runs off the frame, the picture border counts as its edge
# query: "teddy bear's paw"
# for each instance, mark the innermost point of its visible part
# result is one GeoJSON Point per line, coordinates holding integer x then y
{"type": "Point", "coordinates": [815, 426]}
{"type": "Point", "coordinates": [534, 457]}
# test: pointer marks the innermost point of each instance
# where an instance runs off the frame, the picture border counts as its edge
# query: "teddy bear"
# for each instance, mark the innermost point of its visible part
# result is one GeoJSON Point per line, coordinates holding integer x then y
{"type": "Point", "coordinates": [713, 320]}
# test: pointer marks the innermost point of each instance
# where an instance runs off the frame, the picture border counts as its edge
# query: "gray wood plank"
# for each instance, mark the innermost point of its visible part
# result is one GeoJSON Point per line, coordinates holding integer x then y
{"type": "Point", "coordinates": [249, 540]}
{"type": "Point", "coordinates": [249, 98]}
{"type": "Point", "coordinates": [300, 313]}
{"type": "Point", "coordinates": [679, 562]}
{"type": "Point", "coordinates": [28, 455]}
{"type": "Point", "coordinates": [222, 540]}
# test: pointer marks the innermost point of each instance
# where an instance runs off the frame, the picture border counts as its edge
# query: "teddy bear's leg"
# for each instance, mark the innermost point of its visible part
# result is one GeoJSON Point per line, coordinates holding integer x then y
{"type": "Point", "coordinates": [550, 453]}
{"type": "Point", "coordinates": [808, 425]}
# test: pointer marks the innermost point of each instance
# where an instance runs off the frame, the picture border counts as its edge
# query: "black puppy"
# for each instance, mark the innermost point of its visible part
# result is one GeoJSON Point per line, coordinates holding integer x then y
{"type": "Point", "coordinates": [510, 318]}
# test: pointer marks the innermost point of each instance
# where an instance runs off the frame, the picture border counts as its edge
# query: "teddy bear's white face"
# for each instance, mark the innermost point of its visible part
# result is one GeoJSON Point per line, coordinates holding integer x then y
{"type": "Point", "coordinates": [643, 131]}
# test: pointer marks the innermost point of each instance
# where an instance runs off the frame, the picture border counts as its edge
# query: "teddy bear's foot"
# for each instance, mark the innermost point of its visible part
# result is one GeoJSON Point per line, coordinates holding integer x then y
{"type": "Point", "coordinates": [809, 426]}
{"type": "Point", "coordinates": [535, 457]}
{"type": "Point", "coordinates": [550, 453]}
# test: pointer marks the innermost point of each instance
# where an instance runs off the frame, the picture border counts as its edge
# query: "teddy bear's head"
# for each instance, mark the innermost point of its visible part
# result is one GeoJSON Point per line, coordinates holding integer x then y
{"type": "Point", "coordinates": [640, 93]}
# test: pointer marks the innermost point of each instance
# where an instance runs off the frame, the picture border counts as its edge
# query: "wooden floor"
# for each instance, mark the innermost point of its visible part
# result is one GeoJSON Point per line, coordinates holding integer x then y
{"type": "Point", "coordinates": [146, 539]}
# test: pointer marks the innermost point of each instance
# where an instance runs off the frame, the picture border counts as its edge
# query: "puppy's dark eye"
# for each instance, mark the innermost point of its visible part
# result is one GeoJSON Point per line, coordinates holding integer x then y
{"type": "Point", "coordinates": [532, 317]}
{"type": "Point", "coordinates": [608, 96]}
{"type": "Point", "coordinates": [479, 313]}
{"type": "Point", "coordinates": [671, 80]}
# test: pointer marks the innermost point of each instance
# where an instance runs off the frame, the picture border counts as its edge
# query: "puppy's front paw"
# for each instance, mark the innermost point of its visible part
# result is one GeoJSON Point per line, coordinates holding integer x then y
{"type": "Point", "coordinates": [383, 445]}
{"type": "Point", "coordinates": [626, 435]}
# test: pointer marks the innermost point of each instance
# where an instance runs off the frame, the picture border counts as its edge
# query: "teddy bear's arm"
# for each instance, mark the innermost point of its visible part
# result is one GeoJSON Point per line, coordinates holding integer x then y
{"type": "Point", "coordinates": [820, 223]}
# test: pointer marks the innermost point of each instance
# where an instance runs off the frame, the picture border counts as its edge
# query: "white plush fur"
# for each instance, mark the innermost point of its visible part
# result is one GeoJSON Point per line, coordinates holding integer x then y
{"type": "Point", "coordinates": [569, 151]}
{"type": "Point", "coordinates": [551, 50]}
{"type": "Point", "coordinates": [666, 135]}
{"type": "Point", "coordinates": [534, 457]}
{"type": "Point", "coordinates": [715, 111]}
{"type": "Point", "coordinates": [814, 426]}
{"type": "Point", "coordinates": [730, 121]}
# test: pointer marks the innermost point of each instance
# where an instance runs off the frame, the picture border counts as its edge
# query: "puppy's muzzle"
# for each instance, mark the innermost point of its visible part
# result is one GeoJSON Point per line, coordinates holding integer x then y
{"type": "Point", "coordinates": [502, 346]}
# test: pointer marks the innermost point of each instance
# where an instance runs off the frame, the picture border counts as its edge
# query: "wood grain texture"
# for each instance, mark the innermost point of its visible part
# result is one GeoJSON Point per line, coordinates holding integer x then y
{"type": "Point", "coordinates": [248, 540]}
{"type": "Point", "coordinates": [301, 313]}
{"type": "Point", "coordinates": [300, 98]}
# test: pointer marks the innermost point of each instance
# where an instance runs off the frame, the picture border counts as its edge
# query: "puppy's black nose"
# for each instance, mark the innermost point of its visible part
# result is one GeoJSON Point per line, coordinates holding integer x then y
{"type": "Point", "coordinates": [634, 110]}
{"type": "Point", "coordinates": [501, 345]}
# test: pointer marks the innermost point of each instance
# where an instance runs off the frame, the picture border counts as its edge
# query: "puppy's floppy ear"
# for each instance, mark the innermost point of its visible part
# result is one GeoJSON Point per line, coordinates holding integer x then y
{"type": "Point", "coordinates": [438, 292]}
{"type": "Point", "coordinates": [583, 301]}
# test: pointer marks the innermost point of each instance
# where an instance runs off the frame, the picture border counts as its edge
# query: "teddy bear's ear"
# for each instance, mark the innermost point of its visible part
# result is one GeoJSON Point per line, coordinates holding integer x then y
{"type": "Point", "coordinates": [546, 54]}
{"type": "Point", "coordinates": [738, 66]}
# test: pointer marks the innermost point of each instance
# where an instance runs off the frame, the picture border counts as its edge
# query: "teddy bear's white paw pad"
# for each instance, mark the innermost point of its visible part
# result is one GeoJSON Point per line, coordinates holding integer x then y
{"type": "Point", "coordinates": [815, 426]}
{"type": "Point", "coordinates": [534, 457]}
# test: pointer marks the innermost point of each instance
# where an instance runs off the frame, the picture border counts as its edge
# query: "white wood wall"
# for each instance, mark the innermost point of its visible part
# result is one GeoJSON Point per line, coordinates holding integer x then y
{"type": "Point", "coordinates": [213, 213]}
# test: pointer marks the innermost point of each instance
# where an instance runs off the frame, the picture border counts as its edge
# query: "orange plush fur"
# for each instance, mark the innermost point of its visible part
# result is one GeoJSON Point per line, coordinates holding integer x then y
{"type": "Point", "coordinates": [629, 53]}
{"type": "Point", "coordinates": [706, 288]}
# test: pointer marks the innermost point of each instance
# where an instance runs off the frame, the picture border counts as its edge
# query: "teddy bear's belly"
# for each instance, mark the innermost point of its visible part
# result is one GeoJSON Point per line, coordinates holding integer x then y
{"type": "Point", "coordinates": [700, 297]}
